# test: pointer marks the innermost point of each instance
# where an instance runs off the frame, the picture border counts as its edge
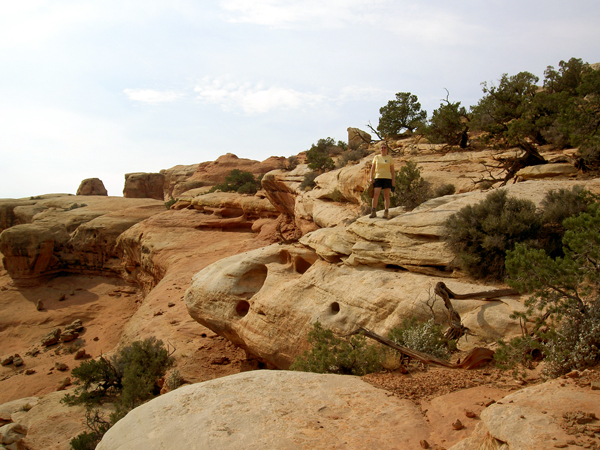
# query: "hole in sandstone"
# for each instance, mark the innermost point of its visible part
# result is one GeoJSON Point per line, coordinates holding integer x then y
{"type": "Point", "coordinates": [242, 308]}
{"type": "Point", "coordinates": [335, 308]}
{"type": "Point", "coordinates": [301, 265]}
{"type": "Point", "coordinates": [252, 281]}
{"type": "Point", "coordinates": [395, 267]}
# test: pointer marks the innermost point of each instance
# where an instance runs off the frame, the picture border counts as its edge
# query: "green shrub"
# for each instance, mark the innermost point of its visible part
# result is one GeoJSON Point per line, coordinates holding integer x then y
{"type": "Point", "coordinates": [170, 203]}
{"type": "Point", "coordinates": [402, 114]}
{"type": "Point", "coordinates": [351, 155]}
{"type": "Point", "coordinates": [240, 182]}
{"type": "Point", "coordinates": [481, 234]}
{"type": "Point", "coordinates": [411, 188]}
{"type": "Point", "coordinates": [517, 353]}
{"type": "Point", "coordinates": [557, 206]}
{"type": "Point", "coordinates": [576, 343]}
{"type": "Point", "coordinates": [444, 189]}
{"type": "Point", "coordinates": [141, 364]}
{"type": "Point", "coordinates": [98, 379]}
{"type": "Point", "coordinates": [426, 337]}
{"type": "Point", "coordinates": [332, 354]}
{"type": "Point", "coordinates": [319, 155]}
{"type": "Point", "coordinates": [565, 299]}
{"type": "Point", "coordinates": [89, 440]}
{"type": "Point", "coordinates": [174, 380]}
{"type": "Point", "coordinates": [308, 181]}
{"type": "Point", "coordinates": [448, 125]}
{"type": "Point", "coordinates": [130, 377]}
{"type": "Point", "coordinates": [292, 162]}
{"type": "Point", "coordinates": [86, 441]}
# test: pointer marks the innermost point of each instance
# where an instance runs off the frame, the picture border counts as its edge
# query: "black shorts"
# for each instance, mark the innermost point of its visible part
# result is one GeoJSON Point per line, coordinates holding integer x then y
{"type": "Point", "coordinates": [383, 183]}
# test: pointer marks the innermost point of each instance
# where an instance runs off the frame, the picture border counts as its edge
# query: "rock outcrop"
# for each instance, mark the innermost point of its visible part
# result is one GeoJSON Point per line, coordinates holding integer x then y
{"type": "Point", "coordinates": [144, 185]}
{"type": "Point", "coordinates": [92, 186]}
{"type": "Point", "coordinates": [69, 234]}
{"type": "Point", "coordinates": [176, 180]}
{"type": "Point", "coordinates": [267, 300]}
{"type": "Point", "coordinates": [272, 409]}
{"type": "Point", "coordinates": [537, 418]}
{"type": "Point", "coordinates": [358, 137]}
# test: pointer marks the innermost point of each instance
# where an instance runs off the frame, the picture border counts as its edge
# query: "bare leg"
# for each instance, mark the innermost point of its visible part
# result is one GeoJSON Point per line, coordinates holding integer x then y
{"type": "Point", "coordinates": [386, 198]}
{"type": "Point", "coordinates": [376, 192]}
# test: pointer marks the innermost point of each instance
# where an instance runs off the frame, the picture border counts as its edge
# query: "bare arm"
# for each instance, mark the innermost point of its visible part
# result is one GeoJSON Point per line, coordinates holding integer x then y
{"type": "Point", "coordinates": [372, 171]}
{"type": "Point", "coordinates": [393, 173]}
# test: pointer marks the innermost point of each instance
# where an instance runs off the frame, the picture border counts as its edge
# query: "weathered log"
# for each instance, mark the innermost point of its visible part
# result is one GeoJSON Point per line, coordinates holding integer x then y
{"type": "Point", "coordinates": [457, 329]}
{"type": "Point", "coordinates": [476, 357]}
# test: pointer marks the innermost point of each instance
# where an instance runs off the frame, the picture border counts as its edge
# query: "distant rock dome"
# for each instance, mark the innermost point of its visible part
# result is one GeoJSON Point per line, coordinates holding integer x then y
{"type": "Point", "coordinates": [92, 186]}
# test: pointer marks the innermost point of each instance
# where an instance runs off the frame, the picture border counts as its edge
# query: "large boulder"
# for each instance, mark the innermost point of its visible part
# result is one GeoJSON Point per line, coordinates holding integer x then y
{"type": "Point", "coordinates": [272, 410]}
{"type": "Point", "coordinates": [358, 137]}
{"type": "Point", "coordinates": [92, 186]}
{"type": "Point", "coordinates": [555, 414]}
{"type": "Point", "coordinates": [144, 185]}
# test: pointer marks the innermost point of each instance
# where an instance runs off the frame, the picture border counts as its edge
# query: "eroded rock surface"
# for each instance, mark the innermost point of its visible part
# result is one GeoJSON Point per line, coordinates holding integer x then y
{"type": "Point", "coordinates": [272, 409]}
{"type": "Point", "coordinates": [92, 186]}
{"type": "Point", "coordinates": [144, 185]}
{"type": "Point", "coordinates": [537, 418]}
{"type": "Point", "coordinates": [267, 300]}
{"type": "Point", "coordinates": [68, 234]}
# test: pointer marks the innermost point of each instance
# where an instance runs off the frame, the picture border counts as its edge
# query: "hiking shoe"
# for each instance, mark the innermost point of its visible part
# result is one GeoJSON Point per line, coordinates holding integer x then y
{"type": "Point", "coordinates": [386, 214]}
{"type": "Point", "coordinates": [373, 214]}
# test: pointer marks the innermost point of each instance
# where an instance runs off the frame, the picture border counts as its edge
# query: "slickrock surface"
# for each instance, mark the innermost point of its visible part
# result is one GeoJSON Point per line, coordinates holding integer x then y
{"type": "Point", "coordinates": [272, 410]}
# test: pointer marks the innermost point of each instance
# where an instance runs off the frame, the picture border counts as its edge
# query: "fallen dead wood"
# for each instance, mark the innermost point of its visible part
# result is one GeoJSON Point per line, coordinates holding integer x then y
{"type": "Point", "coordinates": [457, 329]}
{"type": "Point", "coordinates": [475, 358]}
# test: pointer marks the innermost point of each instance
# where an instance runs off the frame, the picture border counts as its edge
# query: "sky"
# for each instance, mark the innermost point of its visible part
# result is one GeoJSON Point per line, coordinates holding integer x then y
{"type": "Point", "coordinates": [98, 89]}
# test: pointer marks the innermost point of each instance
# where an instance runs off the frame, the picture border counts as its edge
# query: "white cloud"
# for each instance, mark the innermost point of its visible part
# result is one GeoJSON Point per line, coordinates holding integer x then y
{"type": "Point", "coordinates": [254, 99]}
{"type": "Point", "coordinates": [437, 24]}
{"type": "Point", "coordinates": [152, 96]}
{"type": "Point", "coordinates": [289, 13]}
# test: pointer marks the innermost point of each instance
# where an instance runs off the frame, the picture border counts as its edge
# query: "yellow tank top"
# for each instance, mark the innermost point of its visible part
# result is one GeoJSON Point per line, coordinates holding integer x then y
{"type": "Point", "coordinates": [383, 166]}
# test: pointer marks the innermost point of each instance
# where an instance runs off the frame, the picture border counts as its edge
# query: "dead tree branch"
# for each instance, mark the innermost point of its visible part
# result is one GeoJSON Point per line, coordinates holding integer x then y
{"type": "Point", "coordinates": [475, 358]}
{"type": "Point", "coordinates": [457, 329]}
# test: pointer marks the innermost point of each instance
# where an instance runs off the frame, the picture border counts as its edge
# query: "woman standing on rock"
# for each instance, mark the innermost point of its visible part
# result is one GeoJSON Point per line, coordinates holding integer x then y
{"type": "Point", "coordinates": [383, 177]}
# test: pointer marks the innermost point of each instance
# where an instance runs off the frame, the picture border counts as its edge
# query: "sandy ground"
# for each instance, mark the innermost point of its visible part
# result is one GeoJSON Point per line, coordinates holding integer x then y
{"type": "Point", "coordinates": [111, 316]}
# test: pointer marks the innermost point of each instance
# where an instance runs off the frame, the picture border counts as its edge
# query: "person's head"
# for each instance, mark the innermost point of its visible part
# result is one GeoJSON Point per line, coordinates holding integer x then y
{"type": "Point", "coordinates": [384, 149]}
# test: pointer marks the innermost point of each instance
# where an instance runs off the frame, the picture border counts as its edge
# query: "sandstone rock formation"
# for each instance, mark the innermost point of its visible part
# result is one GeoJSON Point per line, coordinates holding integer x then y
{"type": "Point", "coordinates": [92, 186]}
{"type": "Point", "coordinates": [537, 418]}
{"type": "Point", "coordinates": [268, 409]}
{"type": "Point", "coordinates": [63, 234]}
{"type": "Point", "coordinates": [267, 300]}
{"type": "Point", "coordinates": [214, 172]}
{"type": "Point", "coordinates": [345, 271]}
{"type": "Point", "coordinates": [181, 179]}
{"type": "Point", "coordinates": [176, 180]}
{"type": "Point", "coordinates": [357, 137]}
{"type": "Point", "coordinates": [144, 185]}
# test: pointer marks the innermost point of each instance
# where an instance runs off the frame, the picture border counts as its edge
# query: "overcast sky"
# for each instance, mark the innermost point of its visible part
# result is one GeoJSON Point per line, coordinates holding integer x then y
{"type": "Point", "coordinates": [101, 88]}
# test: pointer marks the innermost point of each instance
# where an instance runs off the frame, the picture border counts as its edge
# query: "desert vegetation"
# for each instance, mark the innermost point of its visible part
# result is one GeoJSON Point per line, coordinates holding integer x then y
{"type": "Point", "coordinates": [240, 182]}
{"type": "Point", "coordinates": [514, 113]}
{"type": "Point", "coordinates": [126, 380]}
{"type": "Point", "coordinates": [354, 355]}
